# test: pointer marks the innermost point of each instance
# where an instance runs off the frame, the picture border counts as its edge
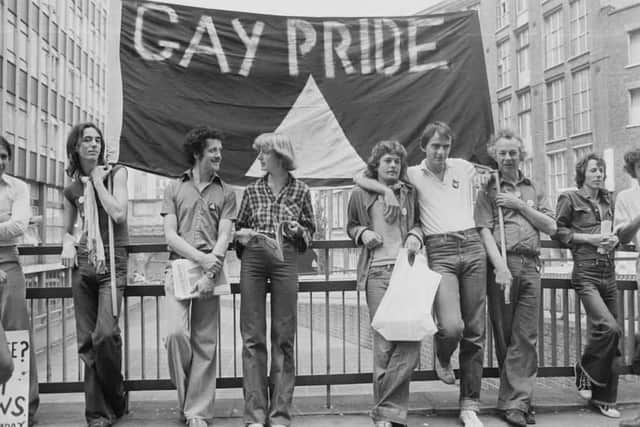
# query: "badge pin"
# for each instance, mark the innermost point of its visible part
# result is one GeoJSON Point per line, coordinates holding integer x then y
{"type": "Point", "coordinates": [404, 211]}
{"type": "Point", "coordinates": [455, 183]}
{"type": "Point", "coordinates": [81, 199]}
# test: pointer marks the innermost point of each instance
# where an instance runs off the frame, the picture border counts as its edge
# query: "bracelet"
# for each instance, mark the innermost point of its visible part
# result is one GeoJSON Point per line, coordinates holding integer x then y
{"type": "Point", "coordinates": [411, 233]}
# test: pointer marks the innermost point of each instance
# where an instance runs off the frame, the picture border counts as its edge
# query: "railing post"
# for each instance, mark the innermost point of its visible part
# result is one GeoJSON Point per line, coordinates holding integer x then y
{"type": "Point", "coordinates": [328, 333]}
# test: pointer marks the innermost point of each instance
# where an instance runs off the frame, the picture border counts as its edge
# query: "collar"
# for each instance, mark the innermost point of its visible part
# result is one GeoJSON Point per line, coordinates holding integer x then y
{"type": "Point", "coordinates": [3, 179]}
{"type": "Point", "coordinates": [264, 180]}
{"type": "Point", "coordinates": [426, 170]}
{"type": "Point", "coordinates": [188, 176]}
{"type": "Point", "coordinates": [371, 196]}
{"type": "Point", "coordinates": [603, 195]}
{"type": "Point", "coordinates": [520, 180]}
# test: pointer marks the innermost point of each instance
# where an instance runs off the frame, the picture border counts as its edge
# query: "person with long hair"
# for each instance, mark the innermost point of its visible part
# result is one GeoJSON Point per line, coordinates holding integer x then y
{"type": "Point", "coordinates": [96, 201]}
{"type": "Point", "coordinates": [380, 242]}
{"type": "Point", "coordinates": [15, 212]}
{"type": "Point", "coordinates": [585, 218]}
{"type": "Point", "coordinates": [275, 203]}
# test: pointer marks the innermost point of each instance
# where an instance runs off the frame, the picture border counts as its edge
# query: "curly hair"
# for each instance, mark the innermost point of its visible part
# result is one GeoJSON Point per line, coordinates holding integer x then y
{"type": "Point", "coordinates": [380, 149]}
{"type": "Point", "coordinates": [195, 141]}
{"type": "Point", "coordinates": [73, 140]}
{"type": "Point", "coordinates": [5, 144]}
{"type": "Point", "coordinates": [631, 158]}
{"type": "Point", "coordinates": [441, 128]}
{"type": "Point", "coordinates": [581, 167]}
{"type": "Point", "coordinates": [509, 135]}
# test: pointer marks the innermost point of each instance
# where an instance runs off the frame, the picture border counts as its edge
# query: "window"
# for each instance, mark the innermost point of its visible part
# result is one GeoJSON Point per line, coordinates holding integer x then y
{"type": "Point", "coordinates": [557, 173]}
{"type": "Point", "coordinates": [527, 168]}
{"type": "Point", "coordinates": [524, 121]}
{"type": "Point", "coordinates": [504, 64]}
{"type": "Point", "coordinates": [504, 114]}
{"type": "Point", "coordinates": [12, 6]}
{"type": "Point", "coordinates": [35, 18]}
{"type": "Point", "coordinates": [634, 46]}
{"type": "Point", "coordinates": [553, 39]}
{"type": "Point", "coordinates": [54, 36]}
{"type": "Point", "coordinates": [44, 97]}
{"type": "Point", "coordinates": [522, 6]}
{"type": "Point", "coordinates": [23, 11]}
{"type": "Point", "coordinates": [44, 31]}
{"type": "Point", "coordinates": [578, 27]}
{"type": "Point", "coordinates": [22, 85]}
{"type": "Point", "coordinates": [11, 78]}
{"type": "Point", "coordinates": [580, 152]}
{"type": "Point", "coordinates": [634, 106]}
{"type": "Point", "coordinates": [502, 13]}
{"type": "Point", "coordinates": [53, 107]}
{"type": "Point", "coordinates": [34, 91]}
{"type": "Point", "coordinates": [522, 57]}
{"type": "Point", "coordinates": [581, 101]}
{"type": "Point", "coordinates": [555, 119]}
{"type": "Point", "coordinates": [1, 76]}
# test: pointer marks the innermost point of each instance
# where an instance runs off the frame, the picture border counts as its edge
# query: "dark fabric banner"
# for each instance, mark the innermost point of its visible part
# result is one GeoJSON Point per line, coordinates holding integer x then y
{"type": "Point", "coordinates": [336, 86]}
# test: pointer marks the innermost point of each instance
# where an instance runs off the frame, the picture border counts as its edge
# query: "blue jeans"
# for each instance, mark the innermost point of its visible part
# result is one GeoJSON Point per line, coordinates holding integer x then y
{"type": "Point", "coordinates": [393, 361]}
{"type": "Point", "coordinates": [460, 306]}
{"type": "Point", "coordinates": [268, 403]}
{"type": "Point", "coordinates": [515, 331]}
{"type": "Point", "coordinates": [595, 283]}
{"type": "Point", "coordinates": [15, 316]}
{"type": "Point", "coordinates": [98, 334]}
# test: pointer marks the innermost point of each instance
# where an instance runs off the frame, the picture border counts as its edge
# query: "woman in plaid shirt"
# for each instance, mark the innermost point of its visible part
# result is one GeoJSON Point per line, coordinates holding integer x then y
{"type": "Point", "coordinates": [275, 201]}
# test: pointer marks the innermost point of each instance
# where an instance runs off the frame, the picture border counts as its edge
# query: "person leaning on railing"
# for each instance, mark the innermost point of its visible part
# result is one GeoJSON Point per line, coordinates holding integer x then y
{"type": "Point", "coordinates": [627, 224]}
{"type": "Point", "coordinates": [97, 330]}
{"type": "Point", "coordinates": [584, 218]}
{"type": "Point", "coordinates": [276, 198]}
{"type": "Point", "coordinates": [15, 212]}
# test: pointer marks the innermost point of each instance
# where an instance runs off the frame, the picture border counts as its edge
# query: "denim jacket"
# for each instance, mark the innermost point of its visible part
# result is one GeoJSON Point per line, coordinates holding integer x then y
{"type": "Point", "coordinates": [359, 220]}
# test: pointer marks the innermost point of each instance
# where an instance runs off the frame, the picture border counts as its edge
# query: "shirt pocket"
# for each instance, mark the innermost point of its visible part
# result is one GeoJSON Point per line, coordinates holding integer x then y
{"type": "Point", "coordinates": [584, 217]}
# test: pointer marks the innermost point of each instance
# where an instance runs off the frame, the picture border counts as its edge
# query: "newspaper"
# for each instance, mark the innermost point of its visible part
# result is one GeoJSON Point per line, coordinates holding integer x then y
{"type": "Point", "coordinates": [186, 276]}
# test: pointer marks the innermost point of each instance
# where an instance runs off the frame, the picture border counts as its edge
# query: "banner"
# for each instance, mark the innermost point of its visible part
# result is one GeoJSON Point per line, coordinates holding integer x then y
{"type": "Point", "coordinates": [336, 86]}
{"type": "Point", "coordinates": [14, 394]}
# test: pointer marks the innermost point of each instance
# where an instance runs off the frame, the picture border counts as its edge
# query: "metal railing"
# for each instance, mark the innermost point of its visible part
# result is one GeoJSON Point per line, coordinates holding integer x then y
{"type": "Point", "coordinates": [333, 343]}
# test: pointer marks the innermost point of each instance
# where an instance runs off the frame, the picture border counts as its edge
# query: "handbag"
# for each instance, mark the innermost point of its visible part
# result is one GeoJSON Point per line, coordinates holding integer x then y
{"type": "Point", "coordinates": [404, 314]}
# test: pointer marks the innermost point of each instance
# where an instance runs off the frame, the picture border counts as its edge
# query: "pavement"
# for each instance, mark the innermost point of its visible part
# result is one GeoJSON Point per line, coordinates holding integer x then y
{"type": "Point", "coordinates": [432, 404]}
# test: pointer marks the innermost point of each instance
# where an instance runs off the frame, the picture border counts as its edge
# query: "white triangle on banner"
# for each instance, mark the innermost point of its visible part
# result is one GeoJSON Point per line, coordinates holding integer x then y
{"type": "Point", "coordinates": [322, 149]}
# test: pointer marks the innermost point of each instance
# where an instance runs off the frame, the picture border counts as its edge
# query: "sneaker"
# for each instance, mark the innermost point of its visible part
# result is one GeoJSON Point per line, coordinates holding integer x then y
{"type": "Point", "coordinates": [608, 410]}
{"type": "Point", "coordinates": [255, 425]}
{"type": "Point", "coordinates": [469, 418]}
{"type": "Point", "coordinates": [445, 373]}
{"type": "Point", "coordinates": [582, 383]}
{"type": "Point", "coordinates": [633, 422]}
{"type": "Point", "coordinates": [197, 422]}
{"type": "Point", "coordinates": [515, 417]}
{"type": "Point", "coordinates": [382, 424]}
{"type": "Point", "coordinates": [530, 416]}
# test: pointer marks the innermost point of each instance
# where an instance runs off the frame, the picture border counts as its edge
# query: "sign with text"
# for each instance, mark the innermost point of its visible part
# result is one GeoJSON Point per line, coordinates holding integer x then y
{"type": "Point", "coordinates": [335, 85]}
{"type": "Point", "coordinates": [14, 394]}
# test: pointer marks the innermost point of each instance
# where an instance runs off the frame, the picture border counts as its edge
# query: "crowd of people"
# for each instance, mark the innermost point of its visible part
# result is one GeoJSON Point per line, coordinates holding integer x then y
{"type": "Point", "coordinates": [479, 230]}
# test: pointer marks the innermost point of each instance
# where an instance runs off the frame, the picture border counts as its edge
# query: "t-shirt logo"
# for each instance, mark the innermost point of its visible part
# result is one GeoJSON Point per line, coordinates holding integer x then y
{"type": "Point", "coordinates": [455, 183]}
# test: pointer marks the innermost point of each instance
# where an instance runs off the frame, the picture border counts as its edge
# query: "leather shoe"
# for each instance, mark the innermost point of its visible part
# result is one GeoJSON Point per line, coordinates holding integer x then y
{"type": "Point", "coordinates": [633, 422]}
{"type": "Point", "coordinates": [515, 417]}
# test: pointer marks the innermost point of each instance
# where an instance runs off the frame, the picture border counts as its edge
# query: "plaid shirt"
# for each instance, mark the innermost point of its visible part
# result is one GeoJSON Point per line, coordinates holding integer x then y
{"type": "Point", "coordinates": [261, 210]}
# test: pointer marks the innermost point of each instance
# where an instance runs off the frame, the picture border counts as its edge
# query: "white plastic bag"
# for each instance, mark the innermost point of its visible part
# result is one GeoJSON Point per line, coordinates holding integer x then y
{"type": "Point", "coordinates": [404, 314]}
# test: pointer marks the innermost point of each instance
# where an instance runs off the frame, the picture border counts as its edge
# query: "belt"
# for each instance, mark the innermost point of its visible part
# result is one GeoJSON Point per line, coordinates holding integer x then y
{"type": "Point", "coordinates": [462, 234]}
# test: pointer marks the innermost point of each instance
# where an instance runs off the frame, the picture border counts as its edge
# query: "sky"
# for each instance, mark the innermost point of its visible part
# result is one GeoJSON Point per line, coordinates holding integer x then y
{"type": "Point", "coordinates": [316, 7]}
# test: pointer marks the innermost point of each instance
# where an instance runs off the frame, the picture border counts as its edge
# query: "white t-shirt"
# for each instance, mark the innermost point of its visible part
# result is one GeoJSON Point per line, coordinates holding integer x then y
{"type": "Point", "coordinates": [628, 207]}
{"type": "Point", "coordinates": [445, 206]}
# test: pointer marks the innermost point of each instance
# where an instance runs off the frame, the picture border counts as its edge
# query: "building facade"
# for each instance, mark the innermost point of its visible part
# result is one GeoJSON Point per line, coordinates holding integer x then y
{"type": "Point", "coordinates": [564, 74]}
{"type": "Point", "coordinates": [52, 76]}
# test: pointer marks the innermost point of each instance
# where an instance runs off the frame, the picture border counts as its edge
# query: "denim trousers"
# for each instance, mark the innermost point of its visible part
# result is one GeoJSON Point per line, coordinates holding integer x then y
{"type": "Point", "coordinates": [459, 306]}
{"type": "Point", "coordinates": [98, 335]}
{"type": "Point", "coordinates": [515, 331]}
{"type": "Point", "coordinates": [393, 361]}
{"type": "Point", "coordinates": [268, 401]}
{"type": "Point", "coordinates": [595, 283]}
{"type": "Point", "coordinates": [191, 343]}
{"type": "Point", "coordinates": [15, 316]}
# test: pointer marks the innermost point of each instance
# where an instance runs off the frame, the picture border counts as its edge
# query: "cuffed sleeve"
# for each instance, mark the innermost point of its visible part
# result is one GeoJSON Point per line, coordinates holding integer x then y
{"type": "Point", "coordinates": [564, 218]}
